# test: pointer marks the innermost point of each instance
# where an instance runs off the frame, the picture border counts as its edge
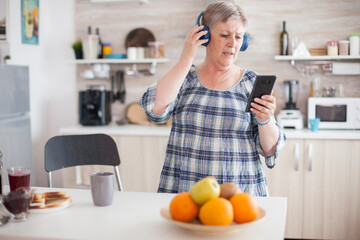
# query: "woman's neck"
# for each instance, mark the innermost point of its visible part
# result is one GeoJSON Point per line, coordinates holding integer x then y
{"type": "Point", "coordinates": [218, 77]}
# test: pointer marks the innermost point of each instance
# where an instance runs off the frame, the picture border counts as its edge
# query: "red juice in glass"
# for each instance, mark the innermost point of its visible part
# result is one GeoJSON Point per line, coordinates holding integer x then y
{"type": "Point", "coordinates": [19, 177]}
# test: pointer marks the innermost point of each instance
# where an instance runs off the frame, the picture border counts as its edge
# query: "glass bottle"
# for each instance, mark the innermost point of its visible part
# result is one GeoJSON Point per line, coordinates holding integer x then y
{"type": "Point", "coordinates": [100, 54]}
{"type": "Point", "coordinates": [284, 41]}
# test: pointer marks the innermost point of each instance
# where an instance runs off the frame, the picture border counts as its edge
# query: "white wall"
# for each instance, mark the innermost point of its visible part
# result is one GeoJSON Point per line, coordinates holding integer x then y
{"type": "Point", "coordinates": [53, 94]}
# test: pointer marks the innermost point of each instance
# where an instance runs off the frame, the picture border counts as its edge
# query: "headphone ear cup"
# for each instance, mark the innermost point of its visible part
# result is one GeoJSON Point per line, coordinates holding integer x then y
{"type": "Point", "coordinates": [245, 43]}
{"type": "Point", "coordinates": [206, 36]}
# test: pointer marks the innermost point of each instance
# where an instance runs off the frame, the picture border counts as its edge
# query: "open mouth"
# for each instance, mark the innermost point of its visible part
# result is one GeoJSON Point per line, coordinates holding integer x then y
{"type": "Point", "coordinates": [228, 53]}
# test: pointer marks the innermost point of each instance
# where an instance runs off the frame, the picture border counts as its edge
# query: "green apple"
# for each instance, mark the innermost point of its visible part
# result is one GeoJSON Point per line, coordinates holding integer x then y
{"type": "Point", "coordinates": [204, 190]}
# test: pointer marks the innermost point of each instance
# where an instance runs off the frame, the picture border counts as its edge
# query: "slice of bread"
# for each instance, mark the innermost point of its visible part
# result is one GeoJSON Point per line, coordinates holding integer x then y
{"type": "Point", "coordinates": [49, 200]}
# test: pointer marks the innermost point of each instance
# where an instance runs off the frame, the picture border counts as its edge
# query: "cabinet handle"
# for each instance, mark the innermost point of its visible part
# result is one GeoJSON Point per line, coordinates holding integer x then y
{"type": "Point", "coordinates": [297, 153]}
{"type": "Point", "coordinates": [310, 156]}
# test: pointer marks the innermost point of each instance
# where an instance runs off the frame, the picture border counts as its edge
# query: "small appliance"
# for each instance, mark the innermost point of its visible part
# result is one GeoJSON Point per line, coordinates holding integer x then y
{"type": "Point", "coordinates": [95, 106]}
{"type": "Point", "coordinates": [290, 116]}
{"type": "Point", "coordinates": [335, 112]}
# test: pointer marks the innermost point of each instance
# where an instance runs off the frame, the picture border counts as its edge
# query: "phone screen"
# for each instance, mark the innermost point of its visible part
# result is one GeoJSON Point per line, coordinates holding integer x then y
{"type": "Point", "coordinates": [263, 86]}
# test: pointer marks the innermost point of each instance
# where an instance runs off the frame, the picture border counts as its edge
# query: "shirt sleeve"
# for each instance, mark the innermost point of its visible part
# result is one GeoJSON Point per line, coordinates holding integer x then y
{"type": "Point", "coordinates": [270, 160]}
{"type": "Point", "coordinates": [147, 102]}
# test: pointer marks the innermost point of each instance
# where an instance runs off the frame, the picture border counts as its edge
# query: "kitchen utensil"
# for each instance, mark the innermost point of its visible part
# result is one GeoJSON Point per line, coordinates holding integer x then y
{"type": "Point", "coordinates": [139, 37]}
{"type": "Point", "coordinates": [102, 188]}
{"type": "Point", "coordinates": [120, 81]}
{"type": "Point", "coordinates": [136, 115]}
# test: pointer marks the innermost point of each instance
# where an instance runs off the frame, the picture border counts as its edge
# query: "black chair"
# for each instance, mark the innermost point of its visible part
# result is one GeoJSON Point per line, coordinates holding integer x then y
{"type": "Point", "coordinates": [76, 150]}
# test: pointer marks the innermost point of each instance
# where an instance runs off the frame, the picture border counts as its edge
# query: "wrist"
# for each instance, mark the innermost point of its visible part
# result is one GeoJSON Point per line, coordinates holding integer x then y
{"type": "Point", "coordinates": [262, 122]}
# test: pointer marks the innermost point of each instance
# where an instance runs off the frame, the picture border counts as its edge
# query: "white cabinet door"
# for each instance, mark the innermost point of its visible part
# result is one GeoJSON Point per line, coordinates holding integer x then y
{"type": "Point", "coordinates": [331, 189]}
{"type": "Point", "coordinates": [285, 179]}
{"type": "Point", "coordinates": [142, 158]}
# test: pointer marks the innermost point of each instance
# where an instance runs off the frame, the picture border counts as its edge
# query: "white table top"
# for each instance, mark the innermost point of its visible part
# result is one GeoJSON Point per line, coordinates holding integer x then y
{"type": "Point", "coordinates": [132, 215]}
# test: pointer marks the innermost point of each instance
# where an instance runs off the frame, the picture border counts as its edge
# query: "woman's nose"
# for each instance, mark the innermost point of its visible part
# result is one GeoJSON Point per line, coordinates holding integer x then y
{"type": "Point", "coordinates": [232, 41]}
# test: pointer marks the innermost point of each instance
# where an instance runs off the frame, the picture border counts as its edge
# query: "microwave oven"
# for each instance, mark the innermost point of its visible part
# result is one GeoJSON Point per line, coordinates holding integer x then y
{"type": "Point", "coordinates": [335, 113]}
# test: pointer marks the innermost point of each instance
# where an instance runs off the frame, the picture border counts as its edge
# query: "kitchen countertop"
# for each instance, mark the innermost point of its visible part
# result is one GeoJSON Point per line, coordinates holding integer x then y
{"type": "Point", "coordinates": [164, 131]}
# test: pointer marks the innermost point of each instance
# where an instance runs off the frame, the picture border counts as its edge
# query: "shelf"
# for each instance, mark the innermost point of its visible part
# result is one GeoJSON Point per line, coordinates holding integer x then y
{"type": "Point", "coordinates": [121, 61]}
{"type": "Point", "coordinates": [325, 63]}
{"type": "Point", "coordinates": [316, 58]}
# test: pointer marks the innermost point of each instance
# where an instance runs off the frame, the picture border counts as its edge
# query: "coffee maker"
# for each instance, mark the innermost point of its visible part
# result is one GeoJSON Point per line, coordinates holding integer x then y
{"type": "Point", "coordinates": [290, 116]}
{"type": "Point", "coordinates": [95, 106]}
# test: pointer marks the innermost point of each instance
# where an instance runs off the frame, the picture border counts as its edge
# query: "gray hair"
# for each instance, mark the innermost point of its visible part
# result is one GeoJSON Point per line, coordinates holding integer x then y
{"type": "Point", "coordinates": [222, 12]}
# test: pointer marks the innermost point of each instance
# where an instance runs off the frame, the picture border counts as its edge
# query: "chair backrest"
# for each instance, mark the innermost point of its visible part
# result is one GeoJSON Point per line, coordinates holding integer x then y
{"type": "Point", "coordinates": [76, 150]}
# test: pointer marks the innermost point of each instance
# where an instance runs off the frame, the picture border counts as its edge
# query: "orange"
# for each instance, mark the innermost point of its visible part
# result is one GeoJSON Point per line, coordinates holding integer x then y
{"type": "Point", "coordinates": [216, 211]}
{"type": "Point", "coordinates": [245, 207]}
{"type": "Point", "coordinates": [183, 208]}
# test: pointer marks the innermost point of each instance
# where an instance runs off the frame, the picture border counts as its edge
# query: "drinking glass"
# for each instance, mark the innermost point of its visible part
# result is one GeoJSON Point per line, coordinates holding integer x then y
{"type": "Point", "coordinates": [19, 177]}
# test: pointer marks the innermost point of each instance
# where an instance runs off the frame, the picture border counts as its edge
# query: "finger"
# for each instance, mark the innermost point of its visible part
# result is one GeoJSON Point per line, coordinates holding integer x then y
{"type": "Point", "coordinates": [196, 29]}
{"type": "Point", "coordinates": [261, 109]}
{"type": "Point", "coordinates": [259, 115]}
{"type": "Point", "coordinates": [269, 98]}
{"type": "Point", "coordinates": [264, 103]}
{"type": "Point", "coordinates": [200, 34]}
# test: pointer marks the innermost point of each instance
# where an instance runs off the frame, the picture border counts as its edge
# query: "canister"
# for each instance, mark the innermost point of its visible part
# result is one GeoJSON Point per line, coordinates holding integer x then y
{"type": "Point", "coordinates": [354, 44]}
{"type": "Point", "coordinates": [106, 48]}
{"type": "Point", "coordinates": [332, 48]}
{"type": "Point", "coordinates": [344, 47]}
{"type": "Point", "coordinates": [157, 49]}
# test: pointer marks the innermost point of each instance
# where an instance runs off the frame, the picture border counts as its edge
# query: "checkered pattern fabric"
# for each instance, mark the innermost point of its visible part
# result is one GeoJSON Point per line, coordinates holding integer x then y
{"type": "Point", "coordinates": [211, 135]}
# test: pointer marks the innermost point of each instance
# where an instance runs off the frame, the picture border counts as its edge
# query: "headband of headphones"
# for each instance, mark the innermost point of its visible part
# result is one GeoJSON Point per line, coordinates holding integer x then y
{"type": "Point", "coordinates": [244, 45]}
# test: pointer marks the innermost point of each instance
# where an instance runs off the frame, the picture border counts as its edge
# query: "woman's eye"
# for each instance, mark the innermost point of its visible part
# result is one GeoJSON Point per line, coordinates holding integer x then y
{"type": "Point", "coordinates": [238, 37]}
{"type": "Point", "coordinates": [224, 35]}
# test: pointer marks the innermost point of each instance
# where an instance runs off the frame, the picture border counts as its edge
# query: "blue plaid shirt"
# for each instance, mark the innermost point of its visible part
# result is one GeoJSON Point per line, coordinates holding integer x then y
{"type": "Point", "coordinates": [211, 135]}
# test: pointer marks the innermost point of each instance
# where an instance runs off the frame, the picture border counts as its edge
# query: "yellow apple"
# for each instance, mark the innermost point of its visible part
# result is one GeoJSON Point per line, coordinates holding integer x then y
{"type": "Point", "coordinates": [204, 190]}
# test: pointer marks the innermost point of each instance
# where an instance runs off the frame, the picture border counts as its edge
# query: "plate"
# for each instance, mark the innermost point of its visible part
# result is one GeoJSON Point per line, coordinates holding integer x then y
{"type": "Point", "coordinates": [197, 227]}
{"type": "Point", "coordinates": [115, 56]}
{"type": "Point", "coordinates": [51, 209]}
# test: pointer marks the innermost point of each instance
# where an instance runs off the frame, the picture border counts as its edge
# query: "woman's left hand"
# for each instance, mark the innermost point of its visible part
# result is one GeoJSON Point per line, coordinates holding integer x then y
{"type": "Point", "coordinates": [263, 108]}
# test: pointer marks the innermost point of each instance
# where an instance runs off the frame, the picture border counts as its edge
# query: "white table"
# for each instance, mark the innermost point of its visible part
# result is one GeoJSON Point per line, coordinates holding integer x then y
{"type": "Point", "coordinates": [132, 215]}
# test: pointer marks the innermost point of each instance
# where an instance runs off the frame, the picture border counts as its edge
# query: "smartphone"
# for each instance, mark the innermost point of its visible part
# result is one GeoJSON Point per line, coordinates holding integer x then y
{"type": "Point", "coordinates": [263, 85]}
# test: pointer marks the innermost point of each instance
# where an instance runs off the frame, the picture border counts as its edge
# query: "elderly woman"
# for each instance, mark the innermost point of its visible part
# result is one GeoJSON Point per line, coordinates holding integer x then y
{"type": "Point", "coordinates": [211, 133]}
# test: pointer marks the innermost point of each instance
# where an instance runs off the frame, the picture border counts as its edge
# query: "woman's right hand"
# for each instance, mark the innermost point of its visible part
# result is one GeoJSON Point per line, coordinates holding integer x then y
{"type": "Point", "coordinates": [192, 42]}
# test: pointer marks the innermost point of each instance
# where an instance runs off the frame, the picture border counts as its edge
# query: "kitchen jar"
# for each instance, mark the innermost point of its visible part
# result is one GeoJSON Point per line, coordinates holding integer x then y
{"type": "Point", "coordinates": [344, 47]}
{"type": "Point", "coordinates": [354, 44]}
{"type": "Point", "coordinates": [332, 48]}
{"type": "Point", "coordinates": [157, 49]}
{"type": "Point", "coordinates": [90, 47]}
{"type": "Point", "coordinates": [106, 48]}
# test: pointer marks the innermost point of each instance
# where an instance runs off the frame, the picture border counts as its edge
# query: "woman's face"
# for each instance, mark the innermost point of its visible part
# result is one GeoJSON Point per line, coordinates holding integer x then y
{"type": "Point", "coordinates": [226, 40]}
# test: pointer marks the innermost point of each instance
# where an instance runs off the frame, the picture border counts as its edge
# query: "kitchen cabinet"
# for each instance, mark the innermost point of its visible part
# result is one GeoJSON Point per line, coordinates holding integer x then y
{"type": "Point", "coordinates": [141, 157]}
{"type": "Point", "coordinates": [321, 181]}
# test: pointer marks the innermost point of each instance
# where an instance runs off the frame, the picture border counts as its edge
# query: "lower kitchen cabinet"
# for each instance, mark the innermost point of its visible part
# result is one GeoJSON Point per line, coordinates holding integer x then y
{"type": "Point", "coordinates": [321, 180]}
{"type": "Point", "coordinates": [142, 158]}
